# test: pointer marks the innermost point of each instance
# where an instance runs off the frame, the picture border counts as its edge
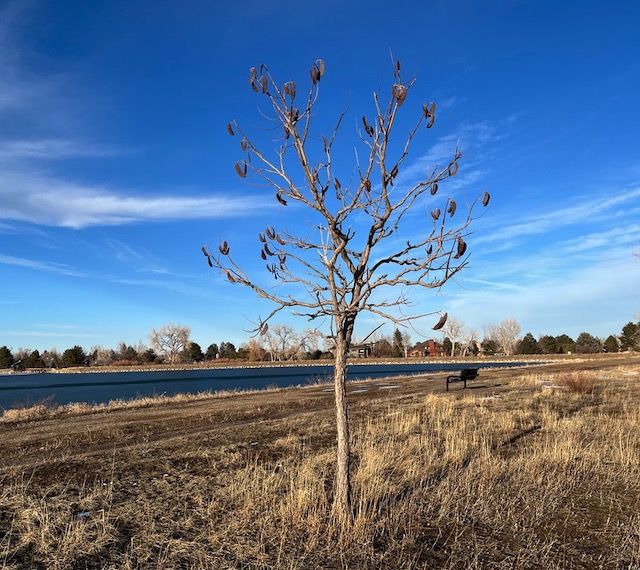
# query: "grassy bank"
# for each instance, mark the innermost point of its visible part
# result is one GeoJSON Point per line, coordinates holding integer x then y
{"type": "Point", "coordinates": [534, 469]}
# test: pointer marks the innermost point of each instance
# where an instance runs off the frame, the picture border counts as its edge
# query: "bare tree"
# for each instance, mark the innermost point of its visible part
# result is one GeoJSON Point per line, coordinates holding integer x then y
{"type": "Point", "coordinates": [470, 341]}
{"type": "Point", "coordinates": [453, 329]}
{"type": "Point", "coordinates": [255, 350]}
{"type": "Point", "coordinates": [505, 334]}
{"type": "Point", "coordinates": [331, 270]}
{"type": "Point", "coordinates": [282, 342]}
{"type": "Point", "coordinates": [170, 340]}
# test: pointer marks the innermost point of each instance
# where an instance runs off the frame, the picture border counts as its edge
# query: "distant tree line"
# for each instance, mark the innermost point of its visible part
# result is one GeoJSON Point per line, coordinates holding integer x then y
{"type": "Point", "coordinates": [172, 344]}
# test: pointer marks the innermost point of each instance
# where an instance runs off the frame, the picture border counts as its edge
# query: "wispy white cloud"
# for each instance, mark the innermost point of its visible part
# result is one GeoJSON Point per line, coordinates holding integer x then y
{"type": "Point", "coordinates": [50, 149]}
{"type": "Point", "coordinates": [590, 208]}
{"type": "Point", "coordinates": [38, 265]}
{"type": "Point", "coordinates": [53, 202]}
{"type": "Point", "coordinates": [138, 258]}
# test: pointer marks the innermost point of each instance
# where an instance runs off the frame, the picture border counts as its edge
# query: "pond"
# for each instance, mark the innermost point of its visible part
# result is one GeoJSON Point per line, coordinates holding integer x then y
{"type": "Point", "coordinates": [25, 389]}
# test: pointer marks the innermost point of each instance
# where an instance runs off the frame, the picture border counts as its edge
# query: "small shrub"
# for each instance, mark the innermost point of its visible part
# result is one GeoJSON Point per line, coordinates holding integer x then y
{"type": "Point", "coordinates": [580, 382]}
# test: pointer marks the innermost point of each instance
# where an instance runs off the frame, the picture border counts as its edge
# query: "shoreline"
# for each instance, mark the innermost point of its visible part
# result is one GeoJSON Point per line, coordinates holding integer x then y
{"type": "Point", "coordinates": [467, 360]}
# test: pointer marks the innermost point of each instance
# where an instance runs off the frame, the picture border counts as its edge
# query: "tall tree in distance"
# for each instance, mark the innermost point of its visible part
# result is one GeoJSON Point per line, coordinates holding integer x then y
{"type": "Point", "coordinates": [453, 330]}
{"type": "Point", "coordinates": [170, 341]}
{"type": "Point", "coordinates": [506, 334]}
{"type": "Point", "coordinates": [355, 257]}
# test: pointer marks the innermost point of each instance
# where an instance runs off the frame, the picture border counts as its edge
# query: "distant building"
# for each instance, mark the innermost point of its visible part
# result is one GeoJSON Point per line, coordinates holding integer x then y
{"type": "Point", "coordinates": [360, 350]}
{"type": "Point", "coordinates": [427, 349]}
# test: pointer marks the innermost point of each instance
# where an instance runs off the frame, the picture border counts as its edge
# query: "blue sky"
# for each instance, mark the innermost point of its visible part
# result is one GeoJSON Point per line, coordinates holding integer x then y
{"type": "Point", "coordinates": [115, 165]}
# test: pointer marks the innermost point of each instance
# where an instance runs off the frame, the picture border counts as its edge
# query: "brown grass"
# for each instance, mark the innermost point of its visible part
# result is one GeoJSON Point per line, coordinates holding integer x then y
{"type": "Point", "coordinates": [506, 475]}
{"type": "Point", "coordinates": [579, 382]}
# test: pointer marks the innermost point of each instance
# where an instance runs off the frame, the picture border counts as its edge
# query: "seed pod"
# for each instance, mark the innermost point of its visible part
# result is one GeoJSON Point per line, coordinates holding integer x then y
{"type": "Point", "coordinates": [452, 207]}
{"type": "Point", "coordinates": [280, 240]}
{"type": "Point", "coordinates": [485, 198]}
{"type": "Point", "coordinates": [264, 329]}
{"type": "Point", "coordinates": [244, 144]}
{"type": "Point", "coordinates": [367, 127]}
{"type": "Point", "coordinates": [435, 214]}
{"type": "Point", "coordinates": [290, 89]}
{"type": "Point", "coordinates": [230, 129]}
{"type": "Point", "coordinates": [271, 233]}
{"type": "Point", "coordinates": [317, 71]}
{"type": "Point", "coordinates": [209, 262]}
{"type": "Point", "coordinates": [453, 168]}
{"type": "Point", "coordinates": [399, 92]}
{"type": "Point", "coordinates": [434, 188]}
{"type": "Point", "coordinates": [396, 71]}
{"type": "Point", "coordinates": [366, 184]}
{"type": "Point", "coordinates": [430, 249]}
{"type": "Point", "coordinates": [462, 247]}
{"type": "Point", "coordinates": [263, 255]}
{"type": "Point", "coordinates": [241, 168]}
{"type": "Point", "coordinates": [267, 250]}
{"type": "Point", "coordinates": [336, 184]}
{"type": "Point", "coordinates": [230, 277]}
{"type": "Point", "coordinates": [204, 251]}
{"type": "Point", "coordinates": [441, 322]}
{"type": "Point", "coordinates": [224, 248]}
{"type": "Point", "coordinates": [281, 199]}
{"type": "Point", "coordinates": [429, 113]}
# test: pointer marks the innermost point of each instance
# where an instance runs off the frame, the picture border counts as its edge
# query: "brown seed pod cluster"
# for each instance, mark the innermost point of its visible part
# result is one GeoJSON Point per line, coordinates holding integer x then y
{"type": "Point", "coordinates": [290, 89]}
{"type": "Point", "coordinates": [207, 254]}
{"type": "Point", "coordinates": [317, 71]}
{"type": "Point", "coordinates": [429, 113]}
{"type": "Point", "coordinates": [399, 93]}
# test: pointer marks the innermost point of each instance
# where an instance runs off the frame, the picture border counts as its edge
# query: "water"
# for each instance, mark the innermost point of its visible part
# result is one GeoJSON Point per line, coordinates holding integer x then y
{"type": "Point", "coordinates": [18, 390]}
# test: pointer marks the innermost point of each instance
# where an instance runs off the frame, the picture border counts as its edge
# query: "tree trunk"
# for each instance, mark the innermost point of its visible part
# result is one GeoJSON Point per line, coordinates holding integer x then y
{"type": "Point", "coordinates": [342, 486]}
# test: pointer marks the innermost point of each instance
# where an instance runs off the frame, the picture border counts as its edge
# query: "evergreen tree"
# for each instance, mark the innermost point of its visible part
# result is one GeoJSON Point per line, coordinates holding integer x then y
{"type": "Point", "coordinates": [565, 344]}
{"type": "Point", "coordinates": [611, 344]}
{"type": "Point", "coordinates": [528, 345]}
{"type": "Point", "coordinates": [212, 352]}
{"type": "Point", "coordinates": [74, 357]}
{"type": "Point", "coordinates": [398, 345]}
{"type": "Point", "coordinates": [6, 357]}
{"type": "Point", "coordinates": [630, 337]}
{"type": "Point", "coordinates": [34, 360]}
{"type": "Point", "coordinates": [588, 344]}
{"type": "Point", "coordinates": [228, 350]}
{"type": "Point", "coordinates": [193, 353]}
{"type": "Point", "coordinates": [548, 344]}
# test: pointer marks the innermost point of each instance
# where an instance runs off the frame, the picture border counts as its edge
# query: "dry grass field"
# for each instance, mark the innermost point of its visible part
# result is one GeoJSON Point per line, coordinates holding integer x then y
{"type": "Point", "coordinates": [535, 468]}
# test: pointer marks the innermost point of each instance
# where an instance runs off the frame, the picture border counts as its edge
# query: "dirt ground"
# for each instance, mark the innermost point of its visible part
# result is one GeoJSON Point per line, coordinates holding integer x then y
{"type": "Point", "coordinates": [240, 419]}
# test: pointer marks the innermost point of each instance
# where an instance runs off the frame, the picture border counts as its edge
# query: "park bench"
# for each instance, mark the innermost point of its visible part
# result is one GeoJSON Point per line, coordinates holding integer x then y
{"type": "Point", "coordinates": [465, 375]}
